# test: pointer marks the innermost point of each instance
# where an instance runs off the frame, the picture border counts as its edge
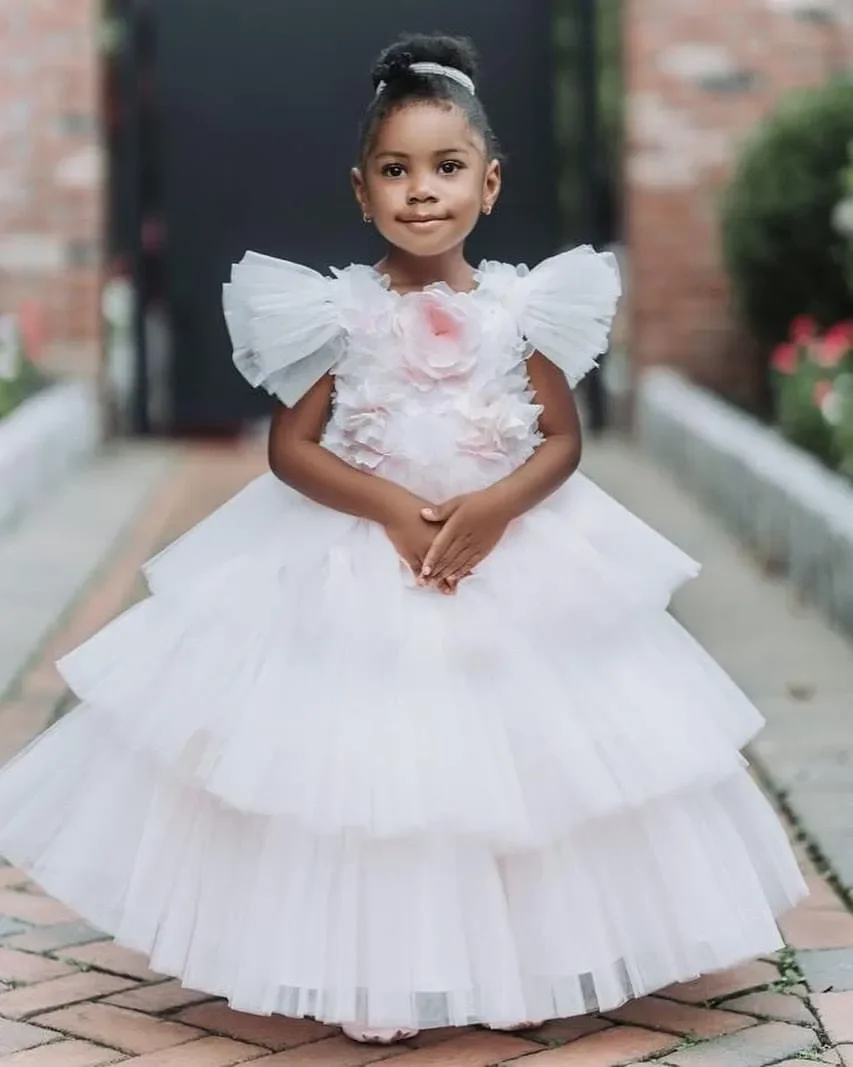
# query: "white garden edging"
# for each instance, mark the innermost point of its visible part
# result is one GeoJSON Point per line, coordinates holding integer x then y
{"type": "Point", "coordinates": [785, 505]}
{"type": "Point", "coordinates": [42, 440]}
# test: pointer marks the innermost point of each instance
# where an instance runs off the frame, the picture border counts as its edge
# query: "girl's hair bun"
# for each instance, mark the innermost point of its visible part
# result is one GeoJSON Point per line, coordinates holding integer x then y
{"type": "Point", "coordinates": [402, 86]}
{"type": "Point", "coordinates": [394, 63]}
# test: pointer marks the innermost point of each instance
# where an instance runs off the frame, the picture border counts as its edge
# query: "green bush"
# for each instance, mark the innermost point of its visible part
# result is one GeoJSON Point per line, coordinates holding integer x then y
{"type": "Point", "coordinates": [783, 254]}
{"type": "Point", "coordinates": [812, 379]}
{"type": "Point", "coordinates": [843, 217]}
{"type": "Point", "coordinates": [13, 392]}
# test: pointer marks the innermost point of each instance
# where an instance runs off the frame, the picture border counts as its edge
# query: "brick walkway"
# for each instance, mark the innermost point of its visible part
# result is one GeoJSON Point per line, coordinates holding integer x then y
{"type": "Point", "coordinates": [71, 998]}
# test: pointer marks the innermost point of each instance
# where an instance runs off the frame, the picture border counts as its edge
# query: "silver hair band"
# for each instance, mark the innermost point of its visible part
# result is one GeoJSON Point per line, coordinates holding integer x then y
{"type": "Point", "coordinates": [452, 73]}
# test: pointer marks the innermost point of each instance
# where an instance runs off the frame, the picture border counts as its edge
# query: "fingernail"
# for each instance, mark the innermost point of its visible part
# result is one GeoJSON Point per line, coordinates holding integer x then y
{"type": "Point", "coordinates": [426, 572]}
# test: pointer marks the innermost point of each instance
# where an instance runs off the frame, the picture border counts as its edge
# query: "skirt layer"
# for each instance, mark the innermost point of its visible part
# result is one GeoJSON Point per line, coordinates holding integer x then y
{"type": "Point", "coordinates": [309, 678]}
{"type": "Point", "coordinates": [426, 930]}
{"type": "Point", "coordinates": [300, 782]}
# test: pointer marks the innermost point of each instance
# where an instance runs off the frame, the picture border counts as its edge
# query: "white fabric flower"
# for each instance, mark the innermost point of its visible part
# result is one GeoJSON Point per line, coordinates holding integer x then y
{"type": "Point", "coordinates": [365, 434]}
{"type": "Point", "coordinates": [501, 280]}
{"type": "Point", "coordinates": [363, 412]}
{"type": "Point", "coordinates": [494, 425]}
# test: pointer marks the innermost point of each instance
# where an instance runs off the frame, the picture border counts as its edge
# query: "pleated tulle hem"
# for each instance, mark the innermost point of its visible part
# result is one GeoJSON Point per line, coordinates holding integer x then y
{"type": "Point", "coordinates": [423, 931]}
{"type": "Point", "coordinates": [501, 1000]}
{"type": "Point", "coordinates": [521, 998]}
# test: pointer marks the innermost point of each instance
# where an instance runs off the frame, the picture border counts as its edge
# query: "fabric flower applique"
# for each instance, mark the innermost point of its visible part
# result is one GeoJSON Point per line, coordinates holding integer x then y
{"type": "Point", "coordinates": [362, 418]}
{"type": "Point", "coordinates": [356, 297]}
{"type": "Point", "coordinates": [498, 425]}
{"type": "Point", "coordinates": [501, 280]}
{"type": "Point", "coordinates": [440, 336]}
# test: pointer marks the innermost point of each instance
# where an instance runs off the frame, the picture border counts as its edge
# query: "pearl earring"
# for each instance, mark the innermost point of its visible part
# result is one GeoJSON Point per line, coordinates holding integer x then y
{"type": "Point", "coordinates": [487, 210]}
{"type": "Point", "coordinates": [367, 217]}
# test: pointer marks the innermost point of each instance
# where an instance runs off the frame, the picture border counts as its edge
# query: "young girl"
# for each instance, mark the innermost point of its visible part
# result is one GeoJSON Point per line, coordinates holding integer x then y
{"type": "Point", "coordinates": [405, 736]}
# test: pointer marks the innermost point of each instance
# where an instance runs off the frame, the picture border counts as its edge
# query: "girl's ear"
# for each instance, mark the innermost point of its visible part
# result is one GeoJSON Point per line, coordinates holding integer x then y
{"type": "Point", "coordinates": [492, 186]}
{"type": "Point", "coordinates": [360, 190]}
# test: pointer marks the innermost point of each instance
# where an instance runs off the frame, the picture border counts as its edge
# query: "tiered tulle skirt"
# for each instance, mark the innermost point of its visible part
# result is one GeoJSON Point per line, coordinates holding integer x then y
{"type": "Point", "coordinates": [300, 782]}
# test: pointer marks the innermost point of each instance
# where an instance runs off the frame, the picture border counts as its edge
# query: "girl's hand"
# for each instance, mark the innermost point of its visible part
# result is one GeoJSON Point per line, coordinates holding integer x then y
{"type": "Point", "coordinates": [411, 535]}
{"type": "Point", "coordinates": [472, 525]}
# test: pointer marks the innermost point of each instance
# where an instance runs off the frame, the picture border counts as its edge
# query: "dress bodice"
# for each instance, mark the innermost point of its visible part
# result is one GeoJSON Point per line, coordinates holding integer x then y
{"type": "Point", "coordinates": [431, 387]}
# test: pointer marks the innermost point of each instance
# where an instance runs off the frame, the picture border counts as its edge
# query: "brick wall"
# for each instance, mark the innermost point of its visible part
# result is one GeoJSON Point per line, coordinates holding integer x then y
{"type": "Point", "coordinates": [700, 74]}
{"type": "Point", "coordinates": [51, 183]}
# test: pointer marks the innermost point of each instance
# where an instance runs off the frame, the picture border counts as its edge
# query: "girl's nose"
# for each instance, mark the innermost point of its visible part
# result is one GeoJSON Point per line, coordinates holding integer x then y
{"type": "Point", "coordinates": [421, 191]}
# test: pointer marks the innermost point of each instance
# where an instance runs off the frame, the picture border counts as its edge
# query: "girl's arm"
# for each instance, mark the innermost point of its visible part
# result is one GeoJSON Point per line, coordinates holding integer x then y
{"type": "Point", "coordinates": [475, 523]}
{"type": "Point", "coordinates": [297, 459]}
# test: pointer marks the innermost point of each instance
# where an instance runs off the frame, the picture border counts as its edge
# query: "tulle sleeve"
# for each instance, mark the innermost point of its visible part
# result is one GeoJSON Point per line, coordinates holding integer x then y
{"type": "Point", "coordinates": [565, 307]}
{"type": "Point", "coordinates": [284, 322]}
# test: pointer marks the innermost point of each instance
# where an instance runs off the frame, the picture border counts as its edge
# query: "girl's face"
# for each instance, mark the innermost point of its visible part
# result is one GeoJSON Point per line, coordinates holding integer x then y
{"type": "Point", "coordinates": [426, 179]}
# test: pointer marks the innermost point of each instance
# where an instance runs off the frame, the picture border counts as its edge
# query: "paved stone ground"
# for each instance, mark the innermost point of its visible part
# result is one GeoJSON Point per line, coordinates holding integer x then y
{"type": "Point", "coordinates": [70, 998]}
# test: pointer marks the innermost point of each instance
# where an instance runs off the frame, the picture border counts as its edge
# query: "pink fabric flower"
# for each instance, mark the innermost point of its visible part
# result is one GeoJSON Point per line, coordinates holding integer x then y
{"type": "Point", "coordinates": [440, 335]}
{"type": "Point", "coordinates": [784, 358]}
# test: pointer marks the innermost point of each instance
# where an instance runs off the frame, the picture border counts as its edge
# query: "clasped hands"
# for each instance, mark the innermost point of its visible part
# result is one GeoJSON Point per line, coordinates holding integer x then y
{"type": "Point", "coordinates": [443, 543]}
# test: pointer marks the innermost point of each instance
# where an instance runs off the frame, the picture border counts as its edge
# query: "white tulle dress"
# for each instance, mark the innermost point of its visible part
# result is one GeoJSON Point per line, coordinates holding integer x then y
{"type": "Point", "coordinates": [299, 781]}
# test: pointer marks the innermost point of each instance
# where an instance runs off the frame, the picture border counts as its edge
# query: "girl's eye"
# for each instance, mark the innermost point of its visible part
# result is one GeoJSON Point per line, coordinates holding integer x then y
{"type": "Point", "coordinates": [450, 166]}
{"type": "Point", "coordinates": [393, 170]}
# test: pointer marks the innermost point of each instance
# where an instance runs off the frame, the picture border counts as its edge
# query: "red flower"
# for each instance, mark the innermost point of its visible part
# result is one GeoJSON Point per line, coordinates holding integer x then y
{"type": "Point", "coordinates": [803, 329]}
{"type": "Point", "coordinates": [834, 345]}
{"type": "Point", "coordinates": [821, 391]}
{"type": "Point", "coordinates": [31, 325]}
{"type": "Point", "coordinates": [784, 358]}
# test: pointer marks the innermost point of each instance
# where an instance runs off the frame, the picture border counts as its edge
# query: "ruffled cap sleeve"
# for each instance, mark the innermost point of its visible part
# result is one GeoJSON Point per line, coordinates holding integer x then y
{"type": "Point", "coordinates": [285, 324]}
{"type": "Point", "coordinates": [564, 306]}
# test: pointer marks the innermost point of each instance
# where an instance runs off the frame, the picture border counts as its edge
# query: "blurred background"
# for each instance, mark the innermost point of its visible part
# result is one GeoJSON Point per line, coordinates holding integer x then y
{"type": "Point", "coordinates": [145, 144]}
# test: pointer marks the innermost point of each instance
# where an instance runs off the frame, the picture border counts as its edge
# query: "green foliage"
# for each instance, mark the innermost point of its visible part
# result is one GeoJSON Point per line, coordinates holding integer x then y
{"type": "Point", "coordinates": [782, 251]}
{"type": "Point", "coordinates": [844, 216]}
{"type": "Point", "coordinates": [802, 422]}
{"type": "Point", "coordinates": [19, 378]}
{"type": "Point", "coordinates": [18, 389]}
